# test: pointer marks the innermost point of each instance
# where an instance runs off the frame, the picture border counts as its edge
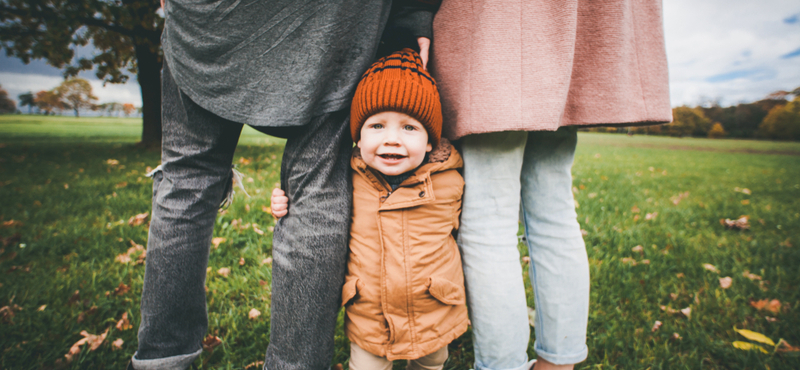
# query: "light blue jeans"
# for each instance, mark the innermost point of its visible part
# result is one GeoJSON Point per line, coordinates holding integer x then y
{"type": "Point", "coordinates": [501, 170]}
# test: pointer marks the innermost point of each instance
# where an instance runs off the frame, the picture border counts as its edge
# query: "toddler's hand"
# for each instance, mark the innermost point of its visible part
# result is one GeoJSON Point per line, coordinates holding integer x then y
{"type": "Point", "coordinates": [280, 203]}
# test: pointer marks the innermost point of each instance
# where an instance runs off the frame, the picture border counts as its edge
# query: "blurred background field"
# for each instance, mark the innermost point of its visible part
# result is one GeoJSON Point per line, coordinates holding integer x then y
{"type": "Point", "coordinates": [669, 281]}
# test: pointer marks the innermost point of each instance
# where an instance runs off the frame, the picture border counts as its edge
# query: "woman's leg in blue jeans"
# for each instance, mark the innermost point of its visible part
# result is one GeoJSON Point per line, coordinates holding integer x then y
{"type": "Point", "coordinates": [488, 241]}
{"type": "Point", "coordinates": [559, 268]}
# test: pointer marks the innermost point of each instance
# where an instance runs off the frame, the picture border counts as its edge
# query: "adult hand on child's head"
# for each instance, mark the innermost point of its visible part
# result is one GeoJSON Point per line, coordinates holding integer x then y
{"type": "Point", "coordinates": [279, 203]}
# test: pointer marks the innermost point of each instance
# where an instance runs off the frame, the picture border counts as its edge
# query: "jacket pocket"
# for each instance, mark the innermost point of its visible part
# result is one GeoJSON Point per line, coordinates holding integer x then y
{"type": "Point", "coordinates": [350, 289]}
{"type": "Point", "coordinates": [446, 291]}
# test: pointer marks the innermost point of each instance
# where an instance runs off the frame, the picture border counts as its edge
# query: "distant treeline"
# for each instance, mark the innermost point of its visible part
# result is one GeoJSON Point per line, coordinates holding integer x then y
{"type": "Point", "coordinates": [775, 117]}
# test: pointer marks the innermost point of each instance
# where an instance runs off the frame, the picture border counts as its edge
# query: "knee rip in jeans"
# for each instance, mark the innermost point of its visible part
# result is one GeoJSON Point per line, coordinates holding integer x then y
{"type": "Point", "coordinates": [227, 199]}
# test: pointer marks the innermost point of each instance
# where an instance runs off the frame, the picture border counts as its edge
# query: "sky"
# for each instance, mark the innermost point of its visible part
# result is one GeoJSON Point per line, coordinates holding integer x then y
{"type": "Point", "coordinates": [725, 51]}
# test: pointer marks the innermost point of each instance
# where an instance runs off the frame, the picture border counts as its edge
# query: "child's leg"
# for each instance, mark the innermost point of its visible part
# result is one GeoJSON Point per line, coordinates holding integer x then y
{"type": "Point", "coordinates": [360, 359]}
{"type": "Point", "coordinates": [559, 269]}
{"type": "Point", "coordinates": [433, 361]}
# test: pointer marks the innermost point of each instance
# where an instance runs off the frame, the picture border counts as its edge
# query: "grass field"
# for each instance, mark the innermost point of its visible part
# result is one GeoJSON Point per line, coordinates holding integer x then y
{"type": "Point", "coordinates": [650, 208]}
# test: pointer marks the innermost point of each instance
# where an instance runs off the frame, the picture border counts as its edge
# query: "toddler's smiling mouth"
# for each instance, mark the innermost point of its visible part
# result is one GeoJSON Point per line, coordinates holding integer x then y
{"type": "Point", "coordinates": [391, 156]}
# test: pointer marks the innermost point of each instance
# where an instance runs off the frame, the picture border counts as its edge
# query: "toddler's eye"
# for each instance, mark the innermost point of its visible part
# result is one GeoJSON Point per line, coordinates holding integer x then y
{"type": "Point", "coordinates": [377, 126]}
{"type": "Point", "coordinates": [409, 128]}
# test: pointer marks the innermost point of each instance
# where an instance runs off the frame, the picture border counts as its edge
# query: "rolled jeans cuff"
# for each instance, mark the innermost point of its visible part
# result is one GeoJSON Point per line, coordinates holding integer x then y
{"type": "Point", "coordinates": [180, 362]}
{"type": "Point", "coordinates": [561, 359]}
{"type": "Point", "coordinates": [526, 366]}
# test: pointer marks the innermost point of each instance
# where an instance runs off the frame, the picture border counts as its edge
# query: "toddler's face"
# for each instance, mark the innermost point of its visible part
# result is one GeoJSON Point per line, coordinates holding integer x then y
{"type": "Point", "coordinates": [393, 143]}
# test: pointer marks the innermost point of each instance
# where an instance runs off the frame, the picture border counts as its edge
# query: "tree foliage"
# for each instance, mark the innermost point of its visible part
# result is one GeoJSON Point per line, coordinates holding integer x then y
{"type": "Point", "coordinates": [76, 94]}
{"type": "Point", "coordinates": [6, 105]}
{"type": "Point", "coordinates": [125, 33]}
{"type": "Point", "coordinates": [716, 131]}
{"type": "Point", "coordinates": [27, 99]}
{"type": "Point", "coordinates": [48, 101]}
{"type": "Point", "coordinates": [688, 121]}
{"type": "Point", "coordinates": [782, 122]}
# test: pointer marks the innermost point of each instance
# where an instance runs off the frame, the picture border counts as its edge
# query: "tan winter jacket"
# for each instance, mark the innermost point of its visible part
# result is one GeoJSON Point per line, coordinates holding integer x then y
{"type": "Point", "coordinates": [404, 290]}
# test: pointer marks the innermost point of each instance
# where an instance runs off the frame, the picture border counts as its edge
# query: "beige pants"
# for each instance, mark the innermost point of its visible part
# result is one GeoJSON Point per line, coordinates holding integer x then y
{"type": "Point", "coordinates": [363, 360]}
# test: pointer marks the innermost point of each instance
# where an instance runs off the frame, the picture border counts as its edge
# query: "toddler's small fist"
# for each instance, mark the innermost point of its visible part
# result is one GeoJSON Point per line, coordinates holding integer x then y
{"type": "Point", "coordinates": [280, 203]}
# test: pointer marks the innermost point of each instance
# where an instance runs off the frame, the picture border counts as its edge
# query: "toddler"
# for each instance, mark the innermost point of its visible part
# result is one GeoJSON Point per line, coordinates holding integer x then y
{"type": "Point", "coordinates": [404, 290]}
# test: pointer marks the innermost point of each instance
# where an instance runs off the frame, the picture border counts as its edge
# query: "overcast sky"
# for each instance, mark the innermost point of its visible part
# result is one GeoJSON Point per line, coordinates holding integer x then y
{"type": "Point", "coordinates": [727, 50]}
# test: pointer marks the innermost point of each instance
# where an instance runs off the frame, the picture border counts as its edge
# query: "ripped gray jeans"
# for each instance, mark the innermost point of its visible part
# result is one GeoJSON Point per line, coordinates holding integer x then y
{"type": "Point", "coordinates": [309, 246]}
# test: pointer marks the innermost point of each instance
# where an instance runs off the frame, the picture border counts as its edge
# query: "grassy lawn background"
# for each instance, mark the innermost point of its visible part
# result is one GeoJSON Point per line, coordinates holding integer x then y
{"type": "Point", "coordinates": [69, 187]}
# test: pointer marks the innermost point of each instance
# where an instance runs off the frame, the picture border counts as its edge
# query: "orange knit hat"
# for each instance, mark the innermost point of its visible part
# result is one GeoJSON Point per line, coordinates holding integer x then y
{"type": "Point", "coordinates": [398, 83]}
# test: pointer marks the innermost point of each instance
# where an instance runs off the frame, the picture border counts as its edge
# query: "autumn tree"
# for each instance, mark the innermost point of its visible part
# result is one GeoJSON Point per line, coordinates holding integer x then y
{"type": "Point", "coordinates": [128, 108]}
{"type": "Point", "coordinates": [716, 131]}
{"type": "Point", "coordinates": [125, 33]}
{"type": "Point", "coordinates": [688, 121]}
{"type": "Point", "coordinates": [6, 105]}
{"type": "Point", "coordinates": [782, 122]}
{"type": "Point", "coordinates": [27, 99]}
{"type": "Point", "coordinates": [76, 94]}
{"type": "Point", "coordinates": [48, 101]}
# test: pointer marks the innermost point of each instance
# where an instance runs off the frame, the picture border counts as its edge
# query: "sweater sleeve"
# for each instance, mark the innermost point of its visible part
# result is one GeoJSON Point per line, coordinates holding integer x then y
{"type": "Point", "coordinates": [408, 20]}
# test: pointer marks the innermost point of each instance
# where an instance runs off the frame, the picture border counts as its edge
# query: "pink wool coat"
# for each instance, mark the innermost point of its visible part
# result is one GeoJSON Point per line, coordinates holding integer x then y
{"type": "Point", "coordinates": [530, 65]}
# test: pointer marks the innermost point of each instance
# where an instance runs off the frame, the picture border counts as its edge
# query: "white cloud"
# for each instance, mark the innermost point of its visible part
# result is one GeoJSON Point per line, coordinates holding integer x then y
{"type": "Point", "coordinates": [19, 83]}
{"type": "Point", "coordinates": [730, 49]}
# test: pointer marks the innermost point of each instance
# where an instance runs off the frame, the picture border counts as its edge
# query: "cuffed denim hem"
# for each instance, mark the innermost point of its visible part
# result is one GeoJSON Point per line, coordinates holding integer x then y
{"type": "Point", "coordinates": [561, 359]}
{"type": "Point", "coordinates": [180, 362]}
{"type": "Point", "coordinates": [525, 366]}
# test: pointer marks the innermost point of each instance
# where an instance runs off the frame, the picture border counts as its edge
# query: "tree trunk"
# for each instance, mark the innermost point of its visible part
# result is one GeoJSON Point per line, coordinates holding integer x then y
{"type": "Point", "coordinates": [149, 77]}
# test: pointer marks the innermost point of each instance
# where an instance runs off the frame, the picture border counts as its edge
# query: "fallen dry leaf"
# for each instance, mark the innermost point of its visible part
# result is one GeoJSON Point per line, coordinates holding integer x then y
{"type": "Point", "coordinates": [680, 275]}
{"type": "Point", "coordinates": [217, 241]}
{"type": "Point", "coordinates": [7, 312]}
{"type": "Point", "coordinates": [746, 346]}
{"type": "Point", "coordinates": [211, 342]}
{"type": "Point", "coordinates": [637, 248]}
{"type": "Point", "coordinates": [124, 323]}
{"type": "Point", "coordinates": [759, 305]}
{"type": "Point", "coordinates": [11, 223]}
{"type": "Point", "coordinates": [656, 325]}
{"type": "Point", "coordinates": [74, 298]}
{"type": "Point", "coordinates": [224, 271]}
{"type": "Point", "coordinates": [257, 230]}
{"type": "Point", "coordinates": [254, 314]}
{"type": "Point", "coordinates": [725, 282]}
{"type": "Point", "coordinates": [676, 336]}
{"type": "Point", "coordinates": [650, 216]}
{"type": "Point", "coordinates": [687, 312]}
{"type": "Point", "coordinates": [42, 307]}
{"type": "Point", "coordinates": [257, 364]}
{"type": "Point", "coordinates": [784, 346]}
{"type": "Point", "coordinates": [121, 289]}
{"type": "Point", "coordinates": [745, 201]}
{"type": "Point", "coordinates": [742, 223]}
{"type": "Point", "coordinates": [266, 261]}
{"type": "Point", "coordinates": [678, 198]}
{"type": "Point", "coordinates": [774, 306]}
{"type": "Point", "coordinates": [629, 260]}
{"type": "Point", "coordinates": [123, 258]}
{"type": "Point", "coordinates": [112, 162]}
{"type": "Point", "coordinates": [121, 184]}
{"type": "Point", "coordinates": [645, 262]}
{"type": "Point", "coordinates": [526, 260]}
{"type": "Point", "coordinates": [710, 267]}
{"type": "Point", "coordinates": [266, 209]}
{"type": "Point", "coordinates": [94, 341]}
{"type": "Point", "coordinates": [758, 337]}
{"type": "Point", "coordinates": [241, 261]}
{"type": "Point", "coordinates": [750, 276]}
{"type": "Point", "coordinates": [117, 344]}
{"type": "Point", "coordinates": [245, 161]}
{"type": "Point", "coordinates": [635, 209]}
{"type": "Point", "coordinates": [138, 219]}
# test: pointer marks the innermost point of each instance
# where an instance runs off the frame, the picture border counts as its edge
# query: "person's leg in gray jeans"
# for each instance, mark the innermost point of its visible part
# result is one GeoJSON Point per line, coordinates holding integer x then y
{"type": "Point", "coordinates": [309, 248]}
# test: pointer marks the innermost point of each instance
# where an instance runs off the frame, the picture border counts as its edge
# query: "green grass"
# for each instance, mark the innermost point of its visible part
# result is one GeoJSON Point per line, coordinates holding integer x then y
{"type": "Point", "coordinates": [71, 207]}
